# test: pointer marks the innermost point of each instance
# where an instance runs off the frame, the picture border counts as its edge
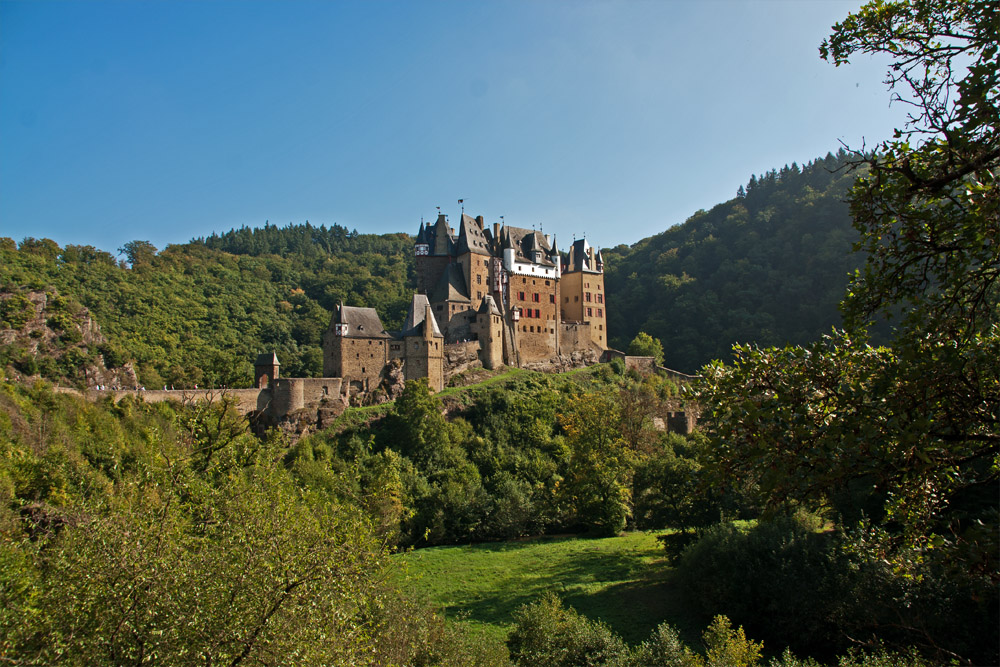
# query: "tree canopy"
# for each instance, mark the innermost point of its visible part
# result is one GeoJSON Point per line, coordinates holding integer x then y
{"type": "Point", "coordinates": [903, 440]}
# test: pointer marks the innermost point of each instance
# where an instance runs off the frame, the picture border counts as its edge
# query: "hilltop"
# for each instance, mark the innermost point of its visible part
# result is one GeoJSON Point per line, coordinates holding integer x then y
{"type": "Point", "coordinates": [768, 267]}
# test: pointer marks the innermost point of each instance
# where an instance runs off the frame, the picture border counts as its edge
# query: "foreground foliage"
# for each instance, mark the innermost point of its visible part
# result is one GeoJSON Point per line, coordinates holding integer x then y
{"type": "Point", "coordinates": [140, 534]}
{"type": "Point", "coordinates": [901, 444]}
{"type": "Point", "coordinates": [548, 633]}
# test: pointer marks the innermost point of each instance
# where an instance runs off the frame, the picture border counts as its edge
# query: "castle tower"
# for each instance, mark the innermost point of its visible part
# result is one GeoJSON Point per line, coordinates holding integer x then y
{"type": "Point", "coordinates": [421, 345]}
{"type": "Point", "coordinates": [265, 370]}
{"type": "Point", "coordinates": [473, 255]}
{"type": "Point", "coordinates": [583, 297]}
{"type": "Point", "coordinates": [489, 331]}
{"type": "Point", "coordinates": [433, 251]}
{"type": "Point", "coordinates": [355, 348]}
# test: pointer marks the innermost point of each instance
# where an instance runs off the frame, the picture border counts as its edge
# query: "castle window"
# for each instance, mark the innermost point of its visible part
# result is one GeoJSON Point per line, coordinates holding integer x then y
{"type": "Point", "coordinates": [586, 285]}
{"type": "Point", "coordinates": [535, 297]}
{"type": "Point", "coordinates": [546, 283]}
{"type": "Point", "coordinates": [479, 280]}
{"type": "Point", "coordinates": [362, 370]}
{"type": "Point", "coordinates": [590, 312]}
{"type": "Point", "coordinates": [536, 313]}
{"type": "Point", "coordinates": [532, 328]}
{"type": "Point", "coordinates": [567, 299]}
{"type": "Point", "coordinates": [586, 297]}
{"type": "Point", "coordinates": [520, 295]}
{"type": "Point", "coordinates": [601, 327]}
{"type": "Point", "coordinates": [524, 280]}
{"type": "Point", "coordinates": [600, 298]}
{"type": "Point", "coordinates": [575, 299]}
{"type": "Point", "coordinates": [552, 298]}
{"type": "Point", "coordinates": [600, 312]}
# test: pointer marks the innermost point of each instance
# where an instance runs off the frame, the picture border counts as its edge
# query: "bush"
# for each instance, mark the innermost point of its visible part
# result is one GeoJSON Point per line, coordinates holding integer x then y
{"type": "Point", "coordinates": [780, 578]}
{"type": "Point", "coordinates": [665, 649]}
{"type": "Point", "coordinates": [546, 633]}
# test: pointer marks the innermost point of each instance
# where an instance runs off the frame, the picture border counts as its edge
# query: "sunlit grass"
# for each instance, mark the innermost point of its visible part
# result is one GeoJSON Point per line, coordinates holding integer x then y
{"type": "Point", "coordinates": [624, 581]}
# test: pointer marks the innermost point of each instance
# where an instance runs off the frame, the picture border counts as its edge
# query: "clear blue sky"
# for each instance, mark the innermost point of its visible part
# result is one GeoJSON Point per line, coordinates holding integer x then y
{"type": "Point", "coordinates": [165, 121]}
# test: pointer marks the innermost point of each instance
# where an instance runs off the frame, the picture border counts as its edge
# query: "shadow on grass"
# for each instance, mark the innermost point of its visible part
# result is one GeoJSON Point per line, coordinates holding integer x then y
{"type": "Point", "coordinates": [634, 609]}
{"type": "Point", "coordinates": [648, 594]}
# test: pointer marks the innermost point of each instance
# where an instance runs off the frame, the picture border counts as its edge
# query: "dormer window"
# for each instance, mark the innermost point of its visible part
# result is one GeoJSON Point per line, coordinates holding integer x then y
{"type": "Point", "coordinates": [339, 329]}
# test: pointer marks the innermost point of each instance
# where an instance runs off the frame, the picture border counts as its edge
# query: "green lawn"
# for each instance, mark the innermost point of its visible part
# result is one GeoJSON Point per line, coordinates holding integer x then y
{"type": "Point", "coordinates": [623, 581]}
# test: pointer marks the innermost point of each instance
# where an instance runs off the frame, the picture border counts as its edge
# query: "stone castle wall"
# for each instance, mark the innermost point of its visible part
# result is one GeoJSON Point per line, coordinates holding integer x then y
{"type": "Point", "coordinates": [576, 336]}
{"type": "Point", "coordinates": [359, 361]}
{"type": "Point", "coordinates": [246, 399]}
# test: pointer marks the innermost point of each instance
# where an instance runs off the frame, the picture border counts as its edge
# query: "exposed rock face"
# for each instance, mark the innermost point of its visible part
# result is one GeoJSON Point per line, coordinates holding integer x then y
{"type": "Point", "coordinates": [460, 357]}
{"type": "Point", "coordinates": [43, 334]}
{"type": "Point", "coordinates": [300, 423]}
{"type": "Point", "coordinates": [393, 382]}
{"type": "Point", "coordinates": [565, 362]}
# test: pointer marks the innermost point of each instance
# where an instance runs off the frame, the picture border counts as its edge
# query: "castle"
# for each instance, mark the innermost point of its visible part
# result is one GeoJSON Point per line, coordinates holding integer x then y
{"type": "Point", "coordinates": [485, 296]}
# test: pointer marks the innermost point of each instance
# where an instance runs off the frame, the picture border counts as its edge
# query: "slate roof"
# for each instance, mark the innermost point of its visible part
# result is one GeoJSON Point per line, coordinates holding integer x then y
{"type": "Point", "coordinates": [415, 320]}
{"type": "Point", "coordinates": [451, 287]}
{"type": "Point", "coordinates": [524, 241]}
{"type": "Point", "coordinates": [489, 306]}
{"type": "Point", "coordinates": [267, 359]}
{"type": "Point", "coordinates": [439, 238]}
{"type": "Point", "coordinates": [579, 258]}
{"type": "Point", "coordinates": [361, 322]}
{"type": "Point", "coordinates": [415, 315]}
{"type": "Point", "coordinates": [471, 237]}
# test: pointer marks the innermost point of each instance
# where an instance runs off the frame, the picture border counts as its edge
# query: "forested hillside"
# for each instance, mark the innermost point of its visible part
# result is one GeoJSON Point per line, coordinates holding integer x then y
{"type": "Point", "coordinates": [767, 267]}
{"type": "Point", "coordinates": [199, 313]}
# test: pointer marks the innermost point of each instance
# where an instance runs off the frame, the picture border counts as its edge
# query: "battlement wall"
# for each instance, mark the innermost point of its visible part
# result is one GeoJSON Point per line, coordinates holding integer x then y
{"type": "Point", "coordinates": [246, 399]}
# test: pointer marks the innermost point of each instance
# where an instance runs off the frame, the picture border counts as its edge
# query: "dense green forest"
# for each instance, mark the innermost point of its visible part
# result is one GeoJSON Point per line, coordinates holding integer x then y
{"type": "Point", "coordinates": [767, 267]}
{"type": "Point", "coordinates": [199, 313]}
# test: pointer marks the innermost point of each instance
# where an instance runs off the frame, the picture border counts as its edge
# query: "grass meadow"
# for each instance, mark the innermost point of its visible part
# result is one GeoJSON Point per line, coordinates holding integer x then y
{"type": "Point", "coordinates": [624, 581]}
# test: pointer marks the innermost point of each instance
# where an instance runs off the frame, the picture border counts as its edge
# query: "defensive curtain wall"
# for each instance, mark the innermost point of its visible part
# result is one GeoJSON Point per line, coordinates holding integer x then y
{"type": "Point", "coordinates": [281, 397]}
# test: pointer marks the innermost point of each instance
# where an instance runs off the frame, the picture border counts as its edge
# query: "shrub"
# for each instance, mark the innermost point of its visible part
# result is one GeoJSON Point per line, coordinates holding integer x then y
{"type": "Point", "coordinates": [779, 578]}
{"type": "Point", "coordinates": [665, 649]}
{"type": "Point", "coordinates": [725, 647]}
{"type": "Point", "coordinates": [546, 633]}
